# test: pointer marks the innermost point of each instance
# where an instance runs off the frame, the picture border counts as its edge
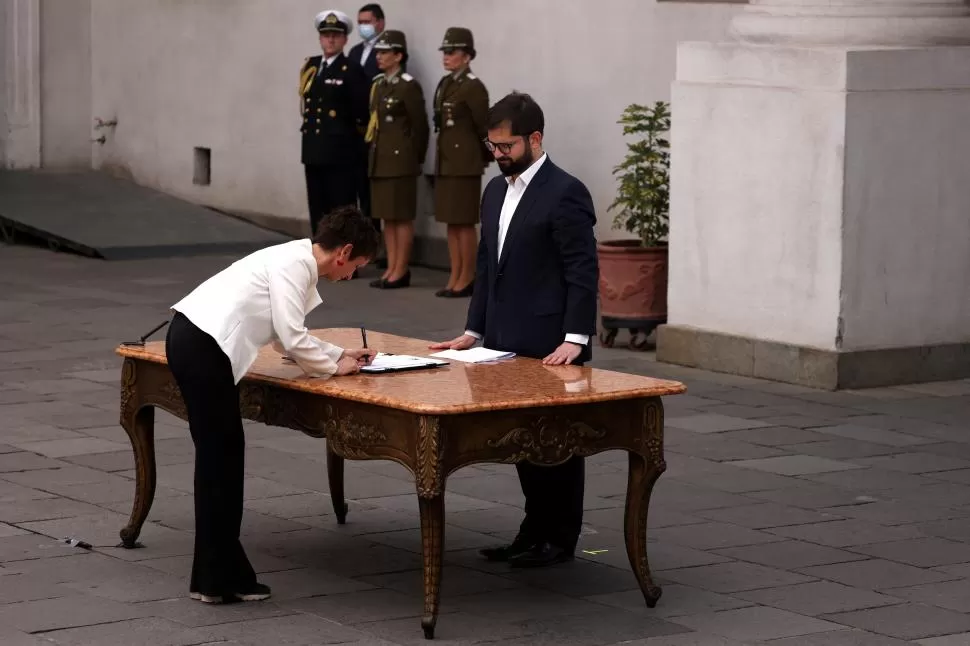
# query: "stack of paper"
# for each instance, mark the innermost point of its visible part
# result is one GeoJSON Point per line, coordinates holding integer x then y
{"type": "Point", "coordinates": [390, 362]}
{"type": "Point", "coordinates": [474, 355]}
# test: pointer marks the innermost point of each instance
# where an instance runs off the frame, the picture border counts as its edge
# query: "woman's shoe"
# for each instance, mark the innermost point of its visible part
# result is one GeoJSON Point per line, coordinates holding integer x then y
{"type": "Point", "coordinates": [463, 292]}
{"type": "Point", "coordinates": [378, 283]}
{"type": "Point", "coordinates": [403, 281]}
{"type": "Point", "coordinates": [444, 293]}
{"type": "Point", "coordinates": [256, 592]}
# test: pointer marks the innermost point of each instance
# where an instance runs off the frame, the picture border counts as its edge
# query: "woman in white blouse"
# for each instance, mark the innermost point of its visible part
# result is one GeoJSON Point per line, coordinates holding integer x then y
{"type": "Point", "coordinates": [214, 337]}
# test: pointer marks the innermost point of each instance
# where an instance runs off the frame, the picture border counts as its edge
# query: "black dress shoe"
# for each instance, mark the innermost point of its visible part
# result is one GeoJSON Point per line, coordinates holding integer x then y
{"type": "Point", "coordinates": [403, 281]}
{"type": "Point", "coordinates": [541, 555]}
{"type": "Point", "coordinates": [444, 293]}
{"type": "Point", "coordinates": [464, 292]}
{"type": "Point", "coordinates": [504, 553]}
{"type": "Point", "coordinates": [378, 283]}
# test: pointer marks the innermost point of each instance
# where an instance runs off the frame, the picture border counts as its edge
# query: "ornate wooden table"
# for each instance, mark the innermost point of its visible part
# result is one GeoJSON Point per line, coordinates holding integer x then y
{"type": "Point", "coordinates": [431, 421]}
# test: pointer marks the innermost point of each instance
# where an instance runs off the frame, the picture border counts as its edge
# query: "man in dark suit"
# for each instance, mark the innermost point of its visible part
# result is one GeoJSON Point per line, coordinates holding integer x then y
{"type": "Point", "coordinates": [370, 25]}
{"type": "Point", "coordinates": [535, 295]}
{"type": "Point", "coordinates": [333, 102]}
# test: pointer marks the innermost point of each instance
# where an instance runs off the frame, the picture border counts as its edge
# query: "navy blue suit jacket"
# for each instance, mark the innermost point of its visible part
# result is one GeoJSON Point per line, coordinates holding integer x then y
{"type": "Point", "coordinates": [544, 285]}
{"type": "Point", "coordinates": [370, 65]}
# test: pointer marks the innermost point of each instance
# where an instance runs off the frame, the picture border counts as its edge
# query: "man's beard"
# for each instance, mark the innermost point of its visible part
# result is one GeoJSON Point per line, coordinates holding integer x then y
{"type": "Point", "coordinates": [516, 166]}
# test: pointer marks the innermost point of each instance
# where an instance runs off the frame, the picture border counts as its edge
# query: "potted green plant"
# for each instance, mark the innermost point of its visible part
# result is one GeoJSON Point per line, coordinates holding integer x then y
{"type": "Point", "coordinates": [633, 272]}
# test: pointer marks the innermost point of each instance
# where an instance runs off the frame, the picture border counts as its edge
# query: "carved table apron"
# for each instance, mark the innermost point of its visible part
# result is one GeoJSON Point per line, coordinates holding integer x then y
{"type": "Point", "coordinates": [431, 446]}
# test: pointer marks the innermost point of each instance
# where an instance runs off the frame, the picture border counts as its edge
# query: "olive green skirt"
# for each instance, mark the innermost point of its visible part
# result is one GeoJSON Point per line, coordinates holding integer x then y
{"type": "Point", "coordinates": [457, 200]}
{"type": "Point", "coordinates": [394, 198]}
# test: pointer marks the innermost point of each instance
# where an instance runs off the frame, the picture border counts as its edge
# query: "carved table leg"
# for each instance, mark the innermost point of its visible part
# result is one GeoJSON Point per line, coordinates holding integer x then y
{"type": "Point", "coordinates": [430, 480]}
{"type": "Point", "coordinates": [335, 474]}
{"type": "Point", "coordinates": [639, 486]}
{"type": "Point", "coordinates": [141, 431]}
{"type": "Point", "coordinates": [432, 543]}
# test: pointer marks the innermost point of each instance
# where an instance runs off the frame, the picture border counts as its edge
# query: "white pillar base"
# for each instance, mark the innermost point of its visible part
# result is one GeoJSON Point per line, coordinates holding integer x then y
{"type": "Point", "coordinates": [818, 201]}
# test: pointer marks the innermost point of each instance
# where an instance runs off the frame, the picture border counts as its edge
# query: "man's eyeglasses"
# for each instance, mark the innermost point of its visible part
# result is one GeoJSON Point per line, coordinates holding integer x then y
{"type": "Point", "coordinates": [505, 149]}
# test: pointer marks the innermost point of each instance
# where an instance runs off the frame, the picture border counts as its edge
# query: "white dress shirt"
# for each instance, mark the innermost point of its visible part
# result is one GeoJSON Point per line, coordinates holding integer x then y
{"type": "Point", "coordinates": [513, 196]}
{"type": "Point", "coordinates": [257, 299]}
{"type": "Point", "coordinates": [326, 62]}
{"type": "Point", "coordinates": [368, 47]}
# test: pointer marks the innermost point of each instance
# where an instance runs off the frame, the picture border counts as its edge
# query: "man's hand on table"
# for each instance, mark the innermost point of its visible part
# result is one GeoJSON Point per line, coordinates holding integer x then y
{"type": "Point", "coordinates": [463, 342]}
{"type": "Point", "coordinates": [564, 354]}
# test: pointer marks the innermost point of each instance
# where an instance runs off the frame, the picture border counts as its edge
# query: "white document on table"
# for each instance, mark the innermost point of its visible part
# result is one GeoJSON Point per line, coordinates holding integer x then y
{"type": "Point", "coordinates": [390, 362]}
{"type": "Point", "coordinates": [474, 355]}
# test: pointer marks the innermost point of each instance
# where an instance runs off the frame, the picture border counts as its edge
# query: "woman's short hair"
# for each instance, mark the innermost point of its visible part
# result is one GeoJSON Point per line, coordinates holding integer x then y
{"type": "Point", "coordinates": [347, 225]}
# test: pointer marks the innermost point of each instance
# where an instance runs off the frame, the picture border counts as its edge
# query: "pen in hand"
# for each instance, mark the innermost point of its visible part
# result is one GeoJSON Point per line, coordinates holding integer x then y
{"type": "Point", "coordinates": [363, 337]}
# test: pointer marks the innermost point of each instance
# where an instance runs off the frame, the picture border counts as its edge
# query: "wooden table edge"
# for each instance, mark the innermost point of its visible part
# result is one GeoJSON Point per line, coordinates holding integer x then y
{"type": "Point", "coordinates": [676, 388]}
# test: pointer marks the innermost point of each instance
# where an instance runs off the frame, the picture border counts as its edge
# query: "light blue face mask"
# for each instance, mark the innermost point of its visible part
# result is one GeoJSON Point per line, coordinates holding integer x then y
{"type": "Point", "coordinates": [367, 31]}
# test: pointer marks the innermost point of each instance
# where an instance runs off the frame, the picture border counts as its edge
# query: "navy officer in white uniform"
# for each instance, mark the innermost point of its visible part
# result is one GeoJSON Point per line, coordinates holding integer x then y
{"type": "Point", "coordinates": [213, 340]}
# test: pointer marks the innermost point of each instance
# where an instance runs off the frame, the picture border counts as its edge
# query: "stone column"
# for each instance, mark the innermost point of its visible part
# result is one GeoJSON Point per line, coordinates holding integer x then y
{"type": "Point", "coordinates": [20, 92]}
{"type": "Point", "coordinates": [820, 209]}
{"type": "Point", "coordinates": [854, 22]}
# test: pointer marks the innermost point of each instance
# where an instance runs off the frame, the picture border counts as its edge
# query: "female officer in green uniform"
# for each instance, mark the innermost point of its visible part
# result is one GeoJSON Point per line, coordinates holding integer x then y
{"type": "Point", "coordinates": [398, 136]}
{"type": "Point", "coordinates": [460, 114]}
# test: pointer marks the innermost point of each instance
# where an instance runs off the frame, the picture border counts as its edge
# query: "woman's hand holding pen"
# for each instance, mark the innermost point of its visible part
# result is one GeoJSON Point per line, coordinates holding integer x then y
{"type": "Point", "coordinates": [352, 360]}
{"type": "Point", "coordinates": [364, 356]}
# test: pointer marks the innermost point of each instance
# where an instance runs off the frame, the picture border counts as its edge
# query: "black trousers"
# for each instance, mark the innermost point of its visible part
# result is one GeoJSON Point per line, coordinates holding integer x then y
{"type": "Point", "coordinates": [204, 376]}
{"type": "Point", "coordinates": [329, 187]}
{"type": "Point", "coordinates": [553, 501]}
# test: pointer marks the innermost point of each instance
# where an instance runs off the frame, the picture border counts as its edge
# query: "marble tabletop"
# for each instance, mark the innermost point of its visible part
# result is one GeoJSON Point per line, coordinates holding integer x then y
{"type": "Point", "coordinates": [453, 389]}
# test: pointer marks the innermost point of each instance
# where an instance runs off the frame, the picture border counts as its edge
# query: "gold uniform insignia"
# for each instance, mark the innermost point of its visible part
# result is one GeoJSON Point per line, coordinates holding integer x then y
{"type": "Point", "coordinates": [332, 113]}
{"type": "Point", "coordinates": [306, 80]}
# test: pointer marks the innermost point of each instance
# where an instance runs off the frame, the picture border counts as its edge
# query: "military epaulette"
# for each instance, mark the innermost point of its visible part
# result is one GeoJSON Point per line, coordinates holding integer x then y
{"type": "Point", "coordinates": [407, 77]}
{"type": "Point", "coordinates": [379, 77]}
{"type": "Point", "coordinates": [472, 76]}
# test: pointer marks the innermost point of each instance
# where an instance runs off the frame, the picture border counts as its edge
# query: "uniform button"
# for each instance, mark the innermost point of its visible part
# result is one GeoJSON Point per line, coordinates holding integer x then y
{"type": "Point", "coordinates": [456, 145]}
{"type": "Point", "coordinates": [396, 152]}
{"type": "Point", "coordinates": [318, 132]}
{"type": "Point", "coordinates": [319, 109]}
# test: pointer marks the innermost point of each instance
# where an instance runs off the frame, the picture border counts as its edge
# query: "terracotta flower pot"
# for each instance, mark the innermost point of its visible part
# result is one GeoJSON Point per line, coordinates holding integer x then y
{"type": "Point", "coordinates": [632, 288]}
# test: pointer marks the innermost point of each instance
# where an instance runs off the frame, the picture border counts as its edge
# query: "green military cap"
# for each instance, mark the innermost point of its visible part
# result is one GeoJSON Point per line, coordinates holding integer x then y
{"type": "Point", "coordinates": [392, 40]}
{"type": "Point", "coordinates": [459, 38]}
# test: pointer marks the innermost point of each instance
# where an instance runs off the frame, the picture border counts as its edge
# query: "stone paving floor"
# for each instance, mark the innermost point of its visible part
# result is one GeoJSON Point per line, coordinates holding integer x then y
{"type": "Point", "coordinates": [787, 516]}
